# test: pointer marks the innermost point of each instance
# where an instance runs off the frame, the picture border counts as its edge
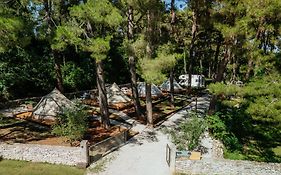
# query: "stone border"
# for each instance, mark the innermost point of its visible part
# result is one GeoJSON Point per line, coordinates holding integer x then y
{"type": "Point", "coordinates": [75, 156]}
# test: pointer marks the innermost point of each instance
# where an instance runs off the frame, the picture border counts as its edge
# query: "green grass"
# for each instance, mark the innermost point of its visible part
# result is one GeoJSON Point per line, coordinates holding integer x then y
{"type": "Point", "coordinates": [234, 155]}
{"type": "Point", "coordinates": [277, 150]}
{"type": "Point", "coordinates": [14, 167]}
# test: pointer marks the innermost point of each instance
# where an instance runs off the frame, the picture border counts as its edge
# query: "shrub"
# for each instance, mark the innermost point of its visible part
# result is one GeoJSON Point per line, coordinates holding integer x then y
{"type": "Point", "coordinates": [220, 131]}
{"type": "Point", "coordinates": [188, 133]}
{"type": "Point", "coordinates": [72, 123]}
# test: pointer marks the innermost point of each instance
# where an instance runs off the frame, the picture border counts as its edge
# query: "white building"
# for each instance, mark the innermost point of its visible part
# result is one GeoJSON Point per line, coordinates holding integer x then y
{"type": "Point", "coordinates": [197, 81]}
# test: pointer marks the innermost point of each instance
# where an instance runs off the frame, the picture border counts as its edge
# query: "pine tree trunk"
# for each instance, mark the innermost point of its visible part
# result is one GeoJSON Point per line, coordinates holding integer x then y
{"type": "Point", "coordinates": [191, 51]}
{"type": "Point", "coordinates": [216, 62]}
{"type": "Point", "coordinates": [102, 96]}
{"type": "Point", "coordinates": [132, 65]}
{"type": "Point", "coordinates": [219, 77]}
{"type": "Point", "coordinates": [184, 62]}
{"type": "Point", "coordinates": [212, 107]}
{"type": "Point", "coordinates": [173, 20]}
{"type": "Point", "coordinates": [172, 88]}
{"type": "Point", "coordinates": [149, 50]}
{"type": "Point", "coordinates": [134, 85]}
{"type": "Point", "coordinates": [58, 72]}
{"type": "Point", "coordinates": [51, 27]}
{"type": "Point", "coordinates": [234, 69]}
{"type": "Point", "coordinates": [223, 64]}
{"type": "Point", "coordinates": [148, 104]}
{"type": "Point", "coordinates": [250, 69]}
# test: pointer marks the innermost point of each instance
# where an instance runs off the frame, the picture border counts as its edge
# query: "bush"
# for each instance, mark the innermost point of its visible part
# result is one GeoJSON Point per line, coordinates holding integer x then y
{"type": "Point", "coordinates": [188, 133]}
{"type": "Point", "coordinates": [220, 131]}
{"type": "Point", "coordinates": [72, 123]}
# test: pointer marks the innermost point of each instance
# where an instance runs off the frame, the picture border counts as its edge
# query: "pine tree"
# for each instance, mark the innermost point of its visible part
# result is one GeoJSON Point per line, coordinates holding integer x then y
{"type": "Point", "coordinates": [90, 30]}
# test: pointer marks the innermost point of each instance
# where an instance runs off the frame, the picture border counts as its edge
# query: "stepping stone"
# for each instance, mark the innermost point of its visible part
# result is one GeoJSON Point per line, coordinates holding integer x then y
{"type": "Point", "coordinates": [195, 156]}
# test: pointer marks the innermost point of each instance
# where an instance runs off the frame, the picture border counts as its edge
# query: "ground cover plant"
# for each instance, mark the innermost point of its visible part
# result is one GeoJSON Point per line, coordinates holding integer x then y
{"type": "Point", "coordinates": [248, 119]}
{"type": "Point", "coordinates": [187, 135]}
{"type": "Point", "coordinates": [77, 125]}
{"type": "Point", "coordinates": [72, 124]}
{"type": "Point", "coordinates": [14, 167]}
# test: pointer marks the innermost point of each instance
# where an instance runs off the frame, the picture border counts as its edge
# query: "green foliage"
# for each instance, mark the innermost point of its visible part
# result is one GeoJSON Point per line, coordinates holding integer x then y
{"type": "Point", "coordinates": [74, 77]}
{"type": "Point", "coordinates": [13, 28]}
{"type": "Point", "coordinates": [235, 155]}
{"type": "Point", "coordinates": [253, 123]}
{"type": "Point", "coordinates": [221, 131]}
{"type": "Point", "coordinates": [187, 134]}
{"type": "Point", "coordinates": [98, 12]}
{"type": "Point", "coordinates": [25, 72]}
{"type": "Point", "coordinates": [99, 47]}
{"type": "Point", "coordinates": [67, 35]}
{"type": "Point", "coordinates": [71, 124]}
{"type": "Point", "coordinates": [223, 89]}
{"type": "Point", "coordinates": [153, 70]}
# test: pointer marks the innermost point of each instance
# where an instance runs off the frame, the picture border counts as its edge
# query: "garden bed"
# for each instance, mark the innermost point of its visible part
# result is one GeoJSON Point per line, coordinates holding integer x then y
{"type": "Point", "coordinates": [29, 132]}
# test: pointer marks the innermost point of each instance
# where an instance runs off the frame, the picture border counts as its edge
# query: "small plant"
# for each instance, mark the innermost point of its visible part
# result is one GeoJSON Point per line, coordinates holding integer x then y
{"type": "Point", "coordinates": [188, 133]}
{"type": "Point", "coordinates": [72, 123]}
{"type": "Point", "coordinates": [220, 131]}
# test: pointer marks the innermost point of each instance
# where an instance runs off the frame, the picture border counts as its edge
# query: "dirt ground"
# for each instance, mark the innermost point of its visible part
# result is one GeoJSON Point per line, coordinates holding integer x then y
{"type": "Point", "coordinates": [33, 132]}
{"type": "Point", "coordinates": [28, 132]}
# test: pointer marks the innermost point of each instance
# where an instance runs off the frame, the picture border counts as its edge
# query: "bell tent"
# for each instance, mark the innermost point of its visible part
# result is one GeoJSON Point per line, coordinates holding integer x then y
{"type": "Point", "coordinates": [115, 95]}
{"type": "Point", "coordinates": [51, 105]}
{"type": "Point", "coordinates": [155, 91]}
{"type": "Point", "coordinates": [165, 86]}
{"type": "Point", "coordinates": [116, 98]}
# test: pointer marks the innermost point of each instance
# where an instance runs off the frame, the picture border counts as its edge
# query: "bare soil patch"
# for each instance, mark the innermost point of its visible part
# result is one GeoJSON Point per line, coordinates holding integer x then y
{"type": "Point", "coordinates": [29, 132]}
{"type": "Point", "coordinates": [162, 108]}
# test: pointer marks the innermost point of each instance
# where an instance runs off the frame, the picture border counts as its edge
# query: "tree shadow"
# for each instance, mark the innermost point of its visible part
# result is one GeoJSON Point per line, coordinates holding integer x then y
{"type": "Point", "coordinates": [145, 136]}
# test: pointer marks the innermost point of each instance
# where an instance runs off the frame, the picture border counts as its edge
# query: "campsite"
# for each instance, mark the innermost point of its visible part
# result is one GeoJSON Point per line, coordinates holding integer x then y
{"type": "Point", "coordinates": [34, 126]}
{"type": "Point", "coordinates": [154, 87]}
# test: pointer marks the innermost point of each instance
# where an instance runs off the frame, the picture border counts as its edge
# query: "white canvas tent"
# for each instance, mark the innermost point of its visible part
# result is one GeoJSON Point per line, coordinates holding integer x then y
{"type": "Point", "coordinates": [115, 95]}
{"type": "Point", "coordinates": [165, 86]}
{"type": "Point", "coordinates": [51, 105]}
{"type": "Point", "coordinates": [155, 91]}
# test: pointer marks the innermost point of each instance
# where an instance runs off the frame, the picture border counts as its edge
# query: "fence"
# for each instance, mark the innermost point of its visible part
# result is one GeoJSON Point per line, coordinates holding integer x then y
{"type": "Point", "coordinates": [108, 145]}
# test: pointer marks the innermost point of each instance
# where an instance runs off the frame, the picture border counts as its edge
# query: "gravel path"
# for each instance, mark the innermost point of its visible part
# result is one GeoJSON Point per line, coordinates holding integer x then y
{"type": "Point", "coordinates": [145, 154]}
{"type": "Point", "coordinates": [228, 167]}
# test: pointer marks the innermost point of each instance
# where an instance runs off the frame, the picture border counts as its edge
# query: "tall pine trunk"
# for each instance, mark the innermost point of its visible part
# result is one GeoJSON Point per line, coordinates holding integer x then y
{"type": "Point", "coordinates": [58, 72]}
{"type": "Point", "coordinates": [148, 104]}
{"type": "Point", "coordinates": [220, 77]}
{"type": "Point", "coordinates": [223, 64]}
{"type": "Point", "coordinates": [216, 62]}
{"type": "Point", "coordinates": [149, 50]}
{"type": "Point", "coordinates": [132, 64]}
{"type": "Point", "coordinates": [56, 55]}
{"type": "Point", "coordinates": [191, 51]}
{"type": "Point", "coordinates": [173, 20]}
{"type": "Point", "coordinates": [102, 96]}
{"type": "Point", "coordinates": [249, 69]}
{"type": "Point", "coordinates": [172, 87]}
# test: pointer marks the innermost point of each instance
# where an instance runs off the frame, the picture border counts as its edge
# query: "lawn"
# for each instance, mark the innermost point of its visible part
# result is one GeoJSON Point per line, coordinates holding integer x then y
{"type": "Point", "coordinates": [30, 168]}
